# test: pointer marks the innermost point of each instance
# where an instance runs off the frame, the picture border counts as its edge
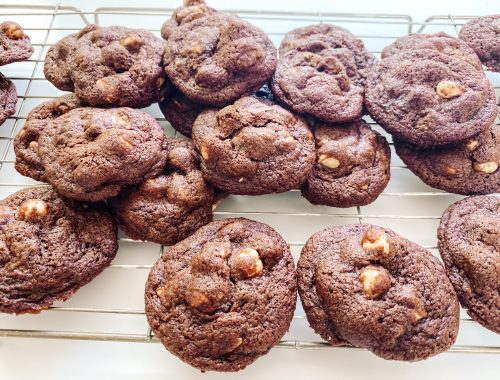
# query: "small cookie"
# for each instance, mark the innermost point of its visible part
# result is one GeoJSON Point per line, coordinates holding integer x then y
{"type": "Point", "coordinates": [168, 208]}
{"type": "Point", "coordinates": [50, 247]}
{"type": "Point", "coordinates": [15, 45]}
{"type": "Point", "coordinates": [352, 165]}
{"type": "Point", "coordinates": [189, 11]}
{"type": "Point", "coordinates": [483, 35]}
{"type": "Point", "coordinates": [224, 296]}
{"type": "Point", "coordinates": [469, 243]}
{"type": "Point", "coordinates": [109, 66]}
{"type": "Point", "coordinates": [367, 286]}
{"type": "Point", "coordinates": [427, 98]}
{"type": "Point", "coordinates": [441, 42]}
{"type": "Point", "coordinates": [8, 98]}
{"type": "Point", "coordinates": [466, 168]}
{"type": "Point", "coordinates": [216, 59]}
{"type": "Point", "coordinates": [253, 147]}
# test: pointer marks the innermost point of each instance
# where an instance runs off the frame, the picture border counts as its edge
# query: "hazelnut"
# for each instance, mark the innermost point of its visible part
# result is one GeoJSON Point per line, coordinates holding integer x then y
{"type": "Point", "coordinates": [486, 167]}
{"type": "Point", "coordinates": [451, 171]}
{"type": "Point", "coordinates": [33, 145]}
{"type": "Point", "coordinates": [376, 281]}
{"type": "Point", "coordinates": [125, 143]}
{"type": "Point", "coordinates": [33, 209]}
{"type": "Point", "coordinates": [106, 89]}
{"type": "Point", "coordinates": [199, 300]}
{"type": "Point", "coordinates": [418, 314]}
{"type": "Point", "coordinates": [204, 152]}
{"type": "Point", "coordinates": [132, 42]}
{"type": "Point", "coordinates": [248, 263]}
{"type": "Point", "coordinates": [231, 344]}
{"type": "Point", "coordinates": [328, 162]}
{"type": "Point", "coordinates": [375, 239]}
{"type": "Point", "coordinates": [471, 145]}
{"type": "Point", "coordinates": [447, 89]}
{"type": "Point", "coordinates": [13, 31]}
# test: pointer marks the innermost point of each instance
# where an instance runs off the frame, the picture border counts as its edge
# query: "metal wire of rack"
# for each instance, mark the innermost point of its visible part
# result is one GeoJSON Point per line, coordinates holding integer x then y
{"type": "Point", "coordinates": [46, 26]}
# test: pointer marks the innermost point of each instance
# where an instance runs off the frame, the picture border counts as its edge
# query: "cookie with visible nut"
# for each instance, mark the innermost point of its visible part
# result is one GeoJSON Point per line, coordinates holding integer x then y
{"type": "Point", "coordinates": [224, 296]}
{"type": "Point", "coordinates": [15, 45]}
{"type": "Point", "coordinates": [471, 167]}
{"type": "Point", "coordinates": [369, 287]}
{"type": "Point", "coordinates": [50, 247]}
{"type": "Point", "coordinates": [253, 147]}
{"type": "Point", "coordinates": [8, 98]}
{"type": "Point", "coordinates": [109, 66]}
{"type": "Point", "coordinates": [428, 98]}
{"type": "Point", "coordinates": [352, 165]}
{"type": "Point", "coordinates": [189, 11]}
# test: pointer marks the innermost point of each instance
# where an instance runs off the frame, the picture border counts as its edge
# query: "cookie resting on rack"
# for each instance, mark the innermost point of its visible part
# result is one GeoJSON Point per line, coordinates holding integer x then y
{"type": "Point", "coordinates": [15, 45]}
{"type": "Point", "coordinates": [8, 98]}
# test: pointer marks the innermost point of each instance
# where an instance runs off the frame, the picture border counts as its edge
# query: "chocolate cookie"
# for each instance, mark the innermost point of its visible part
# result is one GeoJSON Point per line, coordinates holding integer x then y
{"type": "Point", "coordinates": [50, 247]}
{"type": "Point", "coordinates": [8, 98]}
{"type": "Point", "coordinates": [170, 207]}
{"type": "Point", "coordinates": [253, 147]}
{"type": "Point", "coordinates": [224, 296]}
{"type": "Point", "coordinates": [109, 66]}
{"type": "Point", "coordinates": [216, 59]}
{"type": "Point", "coordinates": [483, 35]}
{"type": "Point", "coordinates": [90, 154]}
{"type": "Point", "coordinates": [441, 42]}
{"type": "Point", "coordinates": [469, 243]}
{"type": "Point", "coordinates": [15, 45]}
{"type": "Point", "coordinates": [427, 98]}
{"type": "Point", "coordinates": [352, 165]}
{"type": "Point", "coordinates": [466, 168]}
{"type": "Point", "coordinates": [369, 287]}
{"type": "Point", "coordinates": [189, 11]}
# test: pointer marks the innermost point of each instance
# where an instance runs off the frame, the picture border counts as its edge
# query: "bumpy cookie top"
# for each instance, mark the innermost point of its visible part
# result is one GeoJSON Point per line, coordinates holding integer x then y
{"type": "Point", "coordinates": [224, 296]}
{"type": "Point", "coordinates": [469, 243]}
{"type": "Point", "coordinates": [113, 65]}
{"type": "Point", "coordinates": [8, 98]}
{"type": "Point", "coordinates": [253, 147]}
{"type": "Point", "coordinates": [91, 154]}
{"type": "Point", "coordinates": [15, 45]}
{"type": "Point", "coordinates": [218, 58]}
{"type": "Point", "coordinates": [428, 98]}
{"type": "Point", "coordinates": [368, 286]}
{"type": "Point", "coordinates": [190, 10]}
{"type": "Point", "coordinates": [181, 112]}
{"type": "Point", "coordinates": [50, 247]}
{"type": "Point", "coordinates": [352, 165]}
{"type": "Point", "coordinates": [170, 207]}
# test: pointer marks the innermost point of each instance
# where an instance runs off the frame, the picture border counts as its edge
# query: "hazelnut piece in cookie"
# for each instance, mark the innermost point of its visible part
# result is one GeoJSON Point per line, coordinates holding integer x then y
{"type": "Point", "coordinates": [247, 263]}
{"type": "Point", "coordinates": [375, 240]}
{"type": "Point", "coordinates": [33, 210]}
{"type": "Point", "coordinates": [447, 89]}
{"type": "Point", "coordinates": [376, 281]}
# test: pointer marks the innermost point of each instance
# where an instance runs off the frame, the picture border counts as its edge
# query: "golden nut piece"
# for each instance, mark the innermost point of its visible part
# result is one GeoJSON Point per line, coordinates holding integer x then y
{"type": "Point", "coordinates": [248, 263]}
{"type": "Point", "coordinates": [328, 162]}
{"type": "Point", "coordinates": [106, 89]}
{"type": "Point", "coordinates": [13, 31]}
{"type": "Point", "coordinates": [376, 281]}
{"type": "Point", "coordinates": [471, 145]}
{"type": "Point", "coordinates": [451, 171]}
{"type": "Point", "coordinates": [418, 314]}
{"type": "Point", "coordinates": [375, 239]}
{"type": "Point", "coordinates": [486, 167]}
{"type": "Point", "coordinates": [125, 143]}
{"type": "Point", "coordinates": [201, 301]}
{"type": "Point", "coordinates": [131, 41]}
{"type": "Point", "coordinates": [204, 152]}
{"type": "Point", "coordinates": [447, 89]}
{"type": "Point", "coordinates": [33, 209]}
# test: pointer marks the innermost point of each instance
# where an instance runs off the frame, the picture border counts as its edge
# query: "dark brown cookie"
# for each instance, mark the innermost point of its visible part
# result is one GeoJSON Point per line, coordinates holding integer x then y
{"type": "Point", "coordinates": [253, 147]}
{"type": "Point", "coordinates": [483, 35]}
{"type": "Point", "coordinates": [106, 66]}
{"type": "Point", "coordinates": [466, 168]}
{"type": "Point", "coordinates": [189, 11]}
{"type": "Point", "coordinates": [428, 98]}
{"type": "Point", "coordinates": [15, 45]}
{"type": "Point", "coordinates": [216, 59]}
{"type": "Point", "coordinates": [8, 98]}
{"type": "Point", "coordinates": [90, 154]}
{"type": "Point", "coordinates": [441, 42]}
{"type": "Point", "coordinates": [369, 287]}
{"type": "Point", "coordinates": [352, 165]}
{"type": "Point", "coordinates": [50, 247]}
{"type": "Point", "coordinates": [168, 208]}
{"type": "Point", "coordinates": [469, 243]}
{"type": "Point", "coordinates": [224, 296]}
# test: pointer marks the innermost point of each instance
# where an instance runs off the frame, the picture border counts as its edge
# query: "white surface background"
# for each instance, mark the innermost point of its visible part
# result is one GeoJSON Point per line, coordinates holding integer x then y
{"type": "Point", "coordinates": [119, 288]}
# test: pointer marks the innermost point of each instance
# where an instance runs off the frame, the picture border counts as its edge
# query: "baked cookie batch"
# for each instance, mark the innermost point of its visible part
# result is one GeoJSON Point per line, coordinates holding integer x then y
{"type": "Point", "coordinates": [260, 122]}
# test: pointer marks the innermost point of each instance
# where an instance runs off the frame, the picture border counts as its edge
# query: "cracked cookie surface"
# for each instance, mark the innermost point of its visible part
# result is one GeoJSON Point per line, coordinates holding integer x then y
{"type": "Point", "coordinates": [15, 45]}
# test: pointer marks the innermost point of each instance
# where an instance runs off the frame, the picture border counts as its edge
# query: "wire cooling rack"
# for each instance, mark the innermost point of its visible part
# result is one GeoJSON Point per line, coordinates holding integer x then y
{"type": "Point", "coordinates": [111, 307]}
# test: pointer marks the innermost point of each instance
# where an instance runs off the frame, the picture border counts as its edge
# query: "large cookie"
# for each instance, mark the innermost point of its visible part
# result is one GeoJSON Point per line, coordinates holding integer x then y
{"type": "Point", "coordinates": [216, 59]}
{"type": "Point", "coordinates": [441, 42]}
{"type": "Point", "coordinates": [50, 247]}
{"type": "Point", "coordinates": [109, 66]}
{"type": "Point", "coordinates": [15, 45]}
{"type": "Point", "coordinates": [253, 147]}
{"type": "Point", "coordinates": [466, 168]}
{"type": "Point", "coordinates": [168, 208]}
{"type": "Point", "coordinates": [369, 287]}
{"type": "Point", "coordinates": [352, 165]}
{"type": "Point", "coordinates": [224, 296]}
{"type": "Point", "coordinates": [189, 11]}
{"type": "Point", "coordinates": [483, 35]}
{"type": "Point", "coordinates": [428, 98]}
{"type": "Point", "coordinates": [469, 243]}
{"type": "Point", "coordinates": [8, 98]}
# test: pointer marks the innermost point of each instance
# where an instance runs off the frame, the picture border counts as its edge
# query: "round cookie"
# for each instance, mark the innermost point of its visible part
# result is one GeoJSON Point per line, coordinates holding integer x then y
{"type": "Point", "coordinates": [352, 165]}
{"type": "Point", "coordinates": [189, 11]}
{"type": "Point", "coordinates": [109, 66]}
{"type": "Point", "coordinates": [168, 208]}
{"type": "Point", "coordinates": [90, 154]}
{"type": "Point", "coordinates": [253, 147]}
{"type": "Point", "coordinates": [469, 243]}
{"type": "Point", "coordinates": [8, 98]}
{"type": "Point", "coordinates": [216, 59]}
{"type": "Point", "coordinates": [483, 35]}
{"type": "Point", "coordinates": [427, 98]}
{"type": "Point", "coordinates": [441, 42]}
{"type": "Point", "coordinates": [369, 287]}
{"type": "Point", "coordinates": [224, 296]}
{"type": "Point", "coordinates": [50, 247]}
{"type": "Point", "coordinates": [466, 168]}
{"type": "Point", "coordinates": [28, 162]}
{"type": "Point", "coordinates": [15, 45]}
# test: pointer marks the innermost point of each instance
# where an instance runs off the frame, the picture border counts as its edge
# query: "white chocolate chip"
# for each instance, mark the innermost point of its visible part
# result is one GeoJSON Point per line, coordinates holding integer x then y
{"type": "Point", "coordinates": [486, 167]}
{"type": "Point", "coordinates": [448, 89]}
{"type": "Point", "coordinates": [471, 145]}
{"type": "Point", "coordinates": [328, 162]}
